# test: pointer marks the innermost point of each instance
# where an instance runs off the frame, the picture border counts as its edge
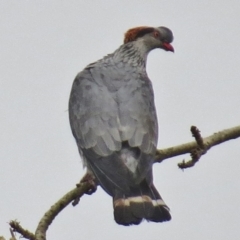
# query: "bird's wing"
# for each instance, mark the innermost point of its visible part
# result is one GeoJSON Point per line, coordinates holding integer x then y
{"type": "Point", "coordinates": [106, 111]}
{"type": "Point", "coordinates": [137, 114]}
{"type": "Point", "coordinates": [93, 115]}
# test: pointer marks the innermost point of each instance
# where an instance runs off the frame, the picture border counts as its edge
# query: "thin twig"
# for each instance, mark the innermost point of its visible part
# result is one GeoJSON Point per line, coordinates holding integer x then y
{"type": "Point", "coordinates": [12, 234]}
{"type": "Point", "coordinates": [195, 153]}
{"type": "Point", "coordinates": [16, 227]}
{"type": "Point", "coordinates": [197, 135]}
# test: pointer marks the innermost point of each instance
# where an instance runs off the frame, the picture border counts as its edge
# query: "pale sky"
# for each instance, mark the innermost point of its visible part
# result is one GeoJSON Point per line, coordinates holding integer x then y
{"type": "Point", "coordinates": [44, 44]}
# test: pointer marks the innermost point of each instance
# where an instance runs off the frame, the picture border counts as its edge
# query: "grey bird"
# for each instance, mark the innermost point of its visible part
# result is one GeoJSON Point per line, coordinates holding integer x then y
{"type": "Point", "coordinates": [113, 119]}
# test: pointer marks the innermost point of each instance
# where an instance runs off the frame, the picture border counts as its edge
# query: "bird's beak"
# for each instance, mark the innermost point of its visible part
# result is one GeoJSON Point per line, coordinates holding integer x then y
{"type": "Point", "coordinates": [167, 47]}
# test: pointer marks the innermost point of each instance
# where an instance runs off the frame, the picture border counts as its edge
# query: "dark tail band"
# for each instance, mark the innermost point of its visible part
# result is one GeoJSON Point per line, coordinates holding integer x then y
{"type": "Point", "coordinates": [133, 209]}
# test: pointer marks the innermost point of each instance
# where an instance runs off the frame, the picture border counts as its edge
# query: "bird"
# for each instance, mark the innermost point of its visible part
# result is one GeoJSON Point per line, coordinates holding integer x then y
{"type": "Point", "coordinates": [114, 122]}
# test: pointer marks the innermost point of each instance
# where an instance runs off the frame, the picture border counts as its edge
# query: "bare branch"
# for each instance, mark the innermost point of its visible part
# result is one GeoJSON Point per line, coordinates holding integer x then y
{"type": "Point", "coordinates": [87, 186]}
{"type": "Point", "coordinates": [197, 152]}
{"type": "Point", "coordinates": [16, 227]}
{"type": "Point", "coordinates": [12, 234]}
{"type": "Point", "coordinates": [196, 134]}
{"type": "Point", "coordinates": [49, 216]}
{"type": "Point", "coordinates": [208, 142]}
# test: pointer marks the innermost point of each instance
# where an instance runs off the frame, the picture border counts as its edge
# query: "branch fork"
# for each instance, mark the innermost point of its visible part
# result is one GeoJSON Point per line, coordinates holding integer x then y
{"type": "Point", "coordinates": [196, 152]}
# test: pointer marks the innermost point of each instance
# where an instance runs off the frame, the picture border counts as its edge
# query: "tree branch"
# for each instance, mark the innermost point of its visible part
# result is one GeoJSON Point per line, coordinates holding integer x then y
{"type": "Point", "coordinates": [16, 227]}
{"type": "Point", "coordinates": [208, 142]}
{"type": "Point", "coordinates": [49, 216]}
{"type": "Point", "coordinates": [86, 185]}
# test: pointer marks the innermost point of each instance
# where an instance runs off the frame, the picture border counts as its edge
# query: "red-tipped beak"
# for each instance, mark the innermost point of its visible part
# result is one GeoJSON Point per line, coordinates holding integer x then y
{"type": "Point", "coordinates": [168, 47]}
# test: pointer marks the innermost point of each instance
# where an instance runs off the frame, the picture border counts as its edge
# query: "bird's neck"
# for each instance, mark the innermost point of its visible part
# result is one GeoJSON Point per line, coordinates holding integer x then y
{"type": "Point", "coordinates": [133, 53]}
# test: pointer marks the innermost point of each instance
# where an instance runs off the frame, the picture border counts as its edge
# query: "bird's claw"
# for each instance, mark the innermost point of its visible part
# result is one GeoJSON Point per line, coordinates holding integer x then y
{"type": "Point", "coordinates": [90, 179]}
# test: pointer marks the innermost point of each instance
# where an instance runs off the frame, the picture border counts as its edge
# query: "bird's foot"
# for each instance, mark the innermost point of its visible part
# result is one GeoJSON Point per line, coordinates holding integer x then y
{"type": "Point", "coordinates": [90, 179]}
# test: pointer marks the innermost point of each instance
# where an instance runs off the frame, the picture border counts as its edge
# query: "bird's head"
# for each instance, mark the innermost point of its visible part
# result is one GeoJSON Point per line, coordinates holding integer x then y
{"type": "Point", "coordinates": [159, 37]}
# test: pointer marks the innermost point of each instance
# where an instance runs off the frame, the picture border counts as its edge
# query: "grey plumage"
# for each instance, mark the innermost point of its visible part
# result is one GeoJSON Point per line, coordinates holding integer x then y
{"type": "Point", "coordinates": [113, 119]}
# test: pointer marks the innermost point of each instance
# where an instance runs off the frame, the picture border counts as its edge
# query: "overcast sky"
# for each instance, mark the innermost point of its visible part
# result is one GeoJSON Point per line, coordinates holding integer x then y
{"type": "Point", "coordinates": [44, 44]}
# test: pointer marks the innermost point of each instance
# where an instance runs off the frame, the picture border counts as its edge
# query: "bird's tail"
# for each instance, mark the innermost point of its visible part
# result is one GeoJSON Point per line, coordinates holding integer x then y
{"type": "Point", "coordinates": [143, 202]}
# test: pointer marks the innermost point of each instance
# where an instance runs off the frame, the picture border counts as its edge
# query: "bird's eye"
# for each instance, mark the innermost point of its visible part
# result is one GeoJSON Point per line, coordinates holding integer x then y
{"type": "Point", "coordinates": [156, 34]}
